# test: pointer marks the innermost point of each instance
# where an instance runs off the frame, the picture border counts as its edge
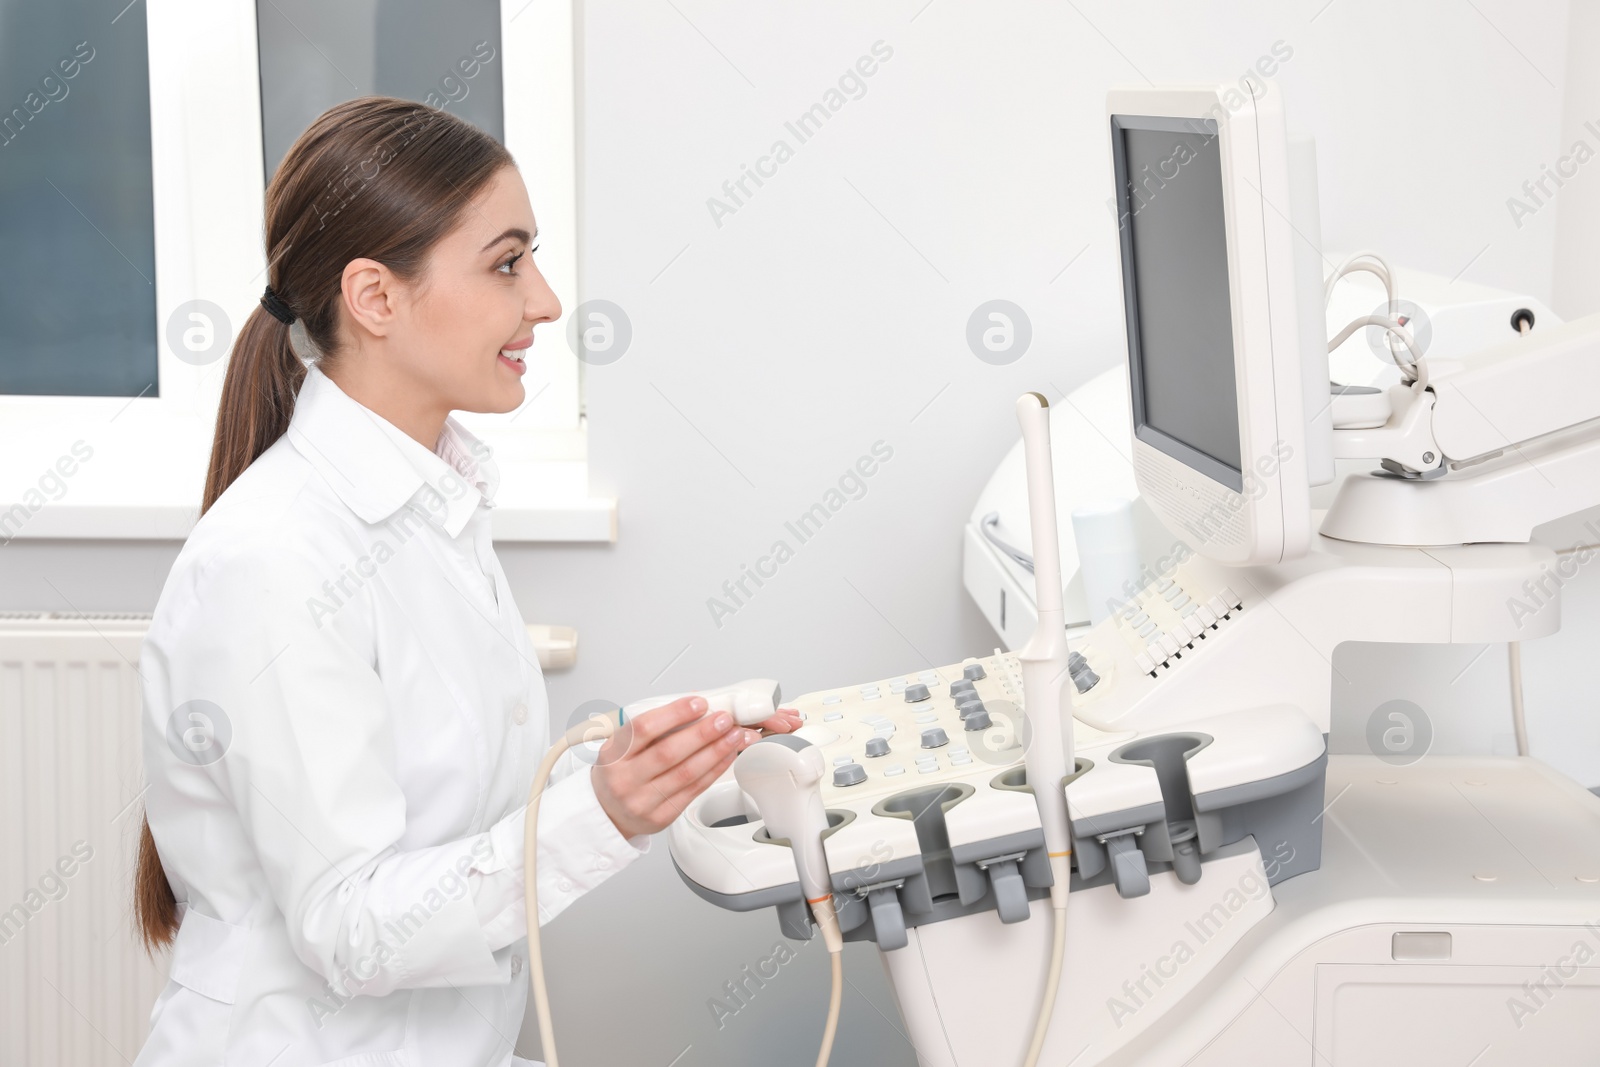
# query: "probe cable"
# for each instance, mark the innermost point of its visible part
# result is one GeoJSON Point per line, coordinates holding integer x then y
{"type": "Point", "coordinates": [599, 728]}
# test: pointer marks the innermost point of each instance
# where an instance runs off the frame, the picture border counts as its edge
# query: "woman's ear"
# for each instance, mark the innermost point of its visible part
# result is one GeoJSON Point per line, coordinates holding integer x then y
{"type": "Point", "coordinates": [370, 292]}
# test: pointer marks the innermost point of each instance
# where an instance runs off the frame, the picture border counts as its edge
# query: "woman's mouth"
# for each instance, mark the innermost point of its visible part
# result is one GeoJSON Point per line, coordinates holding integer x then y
{"type": "Point", "coordinates": [514, 356]}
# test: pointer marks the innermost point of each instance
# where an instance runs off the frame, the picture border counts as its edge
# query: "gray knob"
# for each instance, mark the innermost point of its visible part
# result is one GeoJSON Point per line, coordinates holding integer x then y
{"type": "Point", "coordinates": [916, 691]}
{"type": "Point", "coordinates": [1085, 679]}
{"type": "Point", "coordinates": [849, 774]}
{"type": "Point", "coordinates": [934, 738]}
{"type": "Point", "coordinates": [1076, 662]}
{"type": "Point", "coordinates": [973, 671]}
{"type": "Point", "coordinates": [962, 685]}
{"type": "Point", "coordinates": [968, 705]}
{"type": "Point", "coordinates": [978, 720]}
{"type": "Point", "coordinates": [877, 746]}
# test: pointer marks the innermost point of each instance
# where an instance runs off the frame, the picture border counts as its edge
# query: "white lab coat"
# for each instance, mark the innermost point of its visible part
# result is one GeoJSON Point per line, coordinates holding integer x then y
{"type": "Point", "coordinates": [342, 718]}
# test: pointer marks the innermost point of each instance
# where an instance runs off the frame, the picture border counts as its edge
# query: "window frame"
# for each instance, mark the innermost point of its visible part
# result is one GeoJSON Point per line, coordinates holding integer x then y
{"type": "Point", "coordinates": [149, 454]}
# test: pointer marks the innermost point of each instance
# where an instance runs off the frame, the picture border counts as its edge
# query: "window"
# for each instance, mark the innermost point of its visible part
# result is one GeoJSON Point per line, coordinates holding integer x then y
{"type": "Point", "coordinates": [77, 282]}
{"type": "Point", "coordinates": [166, 160]}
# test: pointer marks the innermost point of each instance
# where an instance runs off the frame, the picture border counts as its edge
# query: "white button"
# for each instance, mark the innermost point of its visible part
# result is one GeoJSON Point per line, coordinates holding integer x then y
{"type": "Point", "coordinates": [565, 885]}
{"type": "Point", "coordinates": [927, 768]}
{"type": "Point", "coordinates": [1142, 661]}
{"type": "Point", "coordinates": [892, 770]}
{"type": "Point", "coordinates": [1169, 644]}
{"type": "Point", "coordinates": [958, 750]}
{"type": "Point", "coordinates": [1147, 629]}
{"type": "Point", "coordinates": [923, 720]}
{"type": "Point", "coordinates": [1139, 619]}
{"type": "Point", "coordinates": [897, 687]}
{"type": "Point", "coordinates": [870, 694]}
{"type": "Point", "coordinates": [929, 676]}
{"type": "Point", "coordinates": [1193, 626]}
{"type": "Point", "coordinates": [520, 716]}
{"type": "Point", "coordinates": [1231, 597]}
{"type": "Point", "coordinates": [832, 715]}
{"type": "Point", "coordinates": [960, 761]}
{"type": "Point", "coordinates": [1164, 584]}
{"type": "Point", "coordinates": [831, 698]}
{"type": "Point", "coordinates": [885, 730]}
{"type": "Point", "coordinates": [1173, 594]}
{"type": "Point", "coordinates": [1181, 601]}
{"type": "Point", "coordinates": [1189, 608]}
{"type": "Point", "coordinates": [603, 862]}
{"type": "Point", "coordinates": [839, 761]}
{"type": "Point", "coordinates": [516, 966]}
{"type": "Point", "coordinates": [897, 681]}
{"type": "Point", "coordinates": [1205, 615]}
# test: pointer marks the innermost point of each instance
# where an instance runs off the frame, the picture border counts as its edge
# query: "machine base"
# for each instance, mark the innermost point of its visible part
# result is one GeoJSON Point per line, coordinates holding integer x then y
{"type": "Point", "coordinates": [1455, 919]}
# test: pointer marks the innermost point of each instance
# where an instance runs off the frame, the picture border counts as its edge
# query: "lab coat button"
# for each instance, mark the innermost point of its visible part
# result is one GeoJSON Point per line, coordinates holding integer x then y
{"type": "Point", "coordinates": [516, 966]}
{"type": "Point", "coordinates": [565, 885]}
{"type": "Point", "coordinates": [604, 863]}
{"type": "Point", "coordinates": [520, 716]}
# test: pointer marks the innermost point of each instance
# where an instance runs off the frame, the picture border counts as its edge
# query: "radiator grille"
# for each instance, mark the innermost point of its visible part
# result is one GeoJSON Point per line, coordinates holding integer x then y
{"type": "Point", "coordinates": [75, 986]}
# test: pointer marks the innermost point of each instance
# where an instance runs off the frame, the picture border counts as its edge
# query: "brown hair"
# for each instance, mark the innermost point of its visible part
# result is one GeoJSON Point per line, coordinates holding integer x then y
{"type": "Point", "coordinates": [377, 178]}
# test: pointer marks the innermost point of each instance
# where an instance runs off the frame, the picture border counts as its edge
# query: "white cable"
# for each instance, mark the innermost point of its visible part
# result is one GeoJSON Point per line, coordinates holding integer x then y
{"type": "Point", "coordinates": [1418, 366]}
{"type": "Point", "coordinates": [1052, 982]}
{"type": "Point", "coordinates": [1519, 723]}
{"type": "Point", "coordinates": [595, 729]}
{"type": "Point", "coordinates": [1358, 263]}
{"type": "Point", "coordinates": [600, 728]}
{"type": "Point", "coordinates": [833, 940]}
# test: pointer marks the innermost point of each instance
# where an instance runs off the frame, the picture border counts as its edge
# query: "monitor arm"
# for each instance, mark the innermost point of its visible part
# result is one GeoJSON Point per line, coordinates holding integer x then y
{"type": "Point", "coordinates": [1486, 449]}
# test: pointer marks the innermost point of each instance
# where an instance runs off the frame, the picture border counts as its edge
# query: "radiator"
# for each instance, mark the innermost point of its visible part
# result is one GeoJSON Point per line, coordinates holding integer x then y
{"type": "Point", "coordinates": [76, 987]}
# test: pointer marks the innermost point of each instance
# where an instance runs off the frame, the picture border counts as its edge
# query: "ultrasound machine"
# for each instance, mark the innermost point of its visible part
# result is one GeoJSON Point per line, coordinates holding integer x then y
{"type": "Point", "coordinates": [1122, 838]}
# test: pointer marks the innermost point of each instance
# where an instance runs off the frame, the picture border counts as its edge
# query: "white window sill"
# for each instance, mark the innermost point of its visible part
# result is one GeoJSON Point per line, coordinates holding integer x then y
{"type": "Point", "coordinates": [143, 478]}
{"type": "Point", "coordinates": [590, 520]}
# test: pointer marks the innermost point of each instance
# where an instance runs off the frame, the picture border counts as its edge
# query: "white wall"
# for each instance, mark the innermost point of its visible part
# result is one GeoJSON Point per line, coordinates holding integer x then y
{"type": "Point", "coordinates": [829, 312]}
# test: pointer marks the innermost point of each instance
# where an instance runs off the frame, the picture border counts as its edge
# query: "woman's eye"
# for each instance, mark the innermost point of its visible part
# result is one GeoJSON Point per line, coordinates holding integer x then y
{"type": "Point", "coordinates": [508, 264]}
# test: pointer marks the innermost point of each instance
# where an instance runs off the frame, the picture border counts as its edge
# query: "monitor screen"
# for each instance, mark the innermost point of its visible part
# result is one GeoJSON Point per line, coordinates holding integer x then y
{"type": "Point", "coordinates": [1175, 284]}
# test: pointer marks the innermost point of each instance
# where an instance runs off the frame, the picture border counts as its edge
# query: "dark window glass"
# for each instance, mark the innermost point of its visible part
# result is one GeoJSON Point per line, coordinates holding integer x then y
{"type": "Point", "coordinates": [77, 226]}
{"type": "Point", "coordinates": [315, 54]}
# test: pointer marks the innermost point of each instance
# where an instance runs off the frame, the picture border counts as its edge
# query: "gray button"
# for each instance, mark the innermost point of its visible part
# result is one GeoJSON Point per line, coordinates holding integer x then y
{"type": "Point", "coordinates": [973, 671]}
{"type": "Point", "coordinates": [849, 774]}
{"type": "Point", "coordinates": [960, 690]}
{"type": "Point", "coordinates": [1085, 679]}
{"type": "Point", "coordinates": [916, 691]}
{"type": "Point", "coordinates": [969, 707]}
{"type": "Point", "coordinates": [877, 746]}
{"type": "Point", "coordinates": [1076, 662]}
{"type": "Point", "coordinates": [978, 720]}
{"type": "Point", "coordinates": [934, 738]}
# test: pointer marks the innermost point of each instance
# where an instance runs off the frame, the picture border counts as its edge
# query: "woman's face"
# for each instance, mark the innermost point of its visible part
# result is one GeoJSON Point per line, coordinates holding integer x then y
{"type": "Point", "coordinates": [456, 339]}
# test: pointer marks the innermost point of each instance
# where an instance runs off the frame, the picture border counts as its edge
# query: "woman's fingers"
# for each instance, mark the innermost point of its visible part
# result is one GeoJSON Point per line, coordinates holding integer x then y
{"type": "Point", "coordinates": [644, 729]}
{"type": "Point", "coordinates": [717, 752]}
{"type": "Point", "coordinates": [672, 749]}
{"type": "Point", "coordinates": [786, 721]}
{"type": "Point", "coordinates": [675, 804]}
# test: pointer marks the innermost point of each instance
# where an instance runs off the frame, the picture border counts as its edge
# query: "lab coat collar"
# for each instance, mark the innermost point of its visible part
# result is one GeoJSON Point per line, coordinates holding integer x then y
{"type": "Point", "coordinates": [376, 468]}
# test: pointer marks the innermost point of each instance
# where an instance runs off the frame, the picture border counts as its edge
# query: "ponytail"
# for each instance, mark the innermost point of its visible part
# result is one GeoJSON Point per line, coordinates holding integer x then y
{"type": "Point", "coordinates": [258, 394]}
{"type": "Point", "coordinates": [376, 178]}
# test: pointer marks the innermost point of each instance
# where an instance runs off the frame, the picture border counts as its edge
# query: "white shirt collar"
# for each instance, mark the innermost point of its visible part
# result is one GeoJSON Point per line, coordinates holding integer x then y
{"type": "Point", "coordinates": [376, 468]}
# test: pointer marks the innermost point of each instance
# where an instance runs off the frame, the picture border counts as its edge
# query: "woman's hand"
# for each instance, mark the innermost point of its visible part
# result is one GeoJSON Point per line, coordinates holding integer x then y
{"type": "Point", "coordinates": [654, 765]}
{"type": "Point", "coordinates": [786, 721]}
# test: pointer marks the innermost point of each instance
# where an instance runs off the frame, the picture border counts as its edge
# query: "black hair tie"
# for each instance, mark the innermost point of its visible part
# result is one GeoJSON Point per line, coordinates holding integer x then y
{"type": "Point", "coordinates": [276, 307]}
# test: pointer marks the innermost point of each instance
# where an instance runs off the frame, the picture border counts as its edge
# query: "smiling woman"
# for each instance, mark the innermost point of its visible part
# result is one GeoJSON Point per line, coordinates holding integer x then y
{"type": "Point", "coordinates": [359, 752]}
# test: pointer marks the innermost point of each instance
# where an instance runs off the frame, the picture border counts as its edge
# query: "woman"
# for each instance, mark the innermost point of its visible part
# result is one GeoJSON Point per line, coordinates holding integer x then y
{"type": "Point", "coordinates": [343, 712]}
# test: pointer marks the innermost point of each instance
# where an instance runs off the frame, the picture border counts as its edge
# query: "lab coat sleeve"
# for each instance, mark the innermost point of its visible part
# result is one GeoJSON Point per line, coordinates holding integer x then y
{"type": "Point", "coordinates": [310, 771]}
{"type": "Point", "coordinates": [579, 847]}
